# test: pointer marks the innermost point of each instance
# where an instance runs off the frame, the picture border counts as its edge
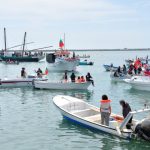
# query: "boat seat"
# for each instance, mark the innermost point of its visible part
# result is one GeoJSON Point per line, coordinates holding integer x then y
{"type": "Point", "coordinates": [76, 112]}
{"type": "Point", "coordinates": [93, 118]}
{"type": "Point", "coordinates": [96, 109]}
{"type": "Point", "coordinates": [86, 113]}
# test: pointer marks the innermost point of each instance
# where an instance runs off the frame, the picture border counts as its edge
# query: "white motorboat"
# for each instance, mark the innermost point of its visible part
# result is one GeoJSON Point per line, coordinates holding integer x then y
{"type": "Point", "coordinates": [139, 82]}
{"type": "Point", "coordinates": [62, 61]}
{"type": "Point", "coordinates": [20, 82]}
{"type": "Point", "coordinates": [82, 113]}
{"type": "Point", "coordinates": [61, 85]}
{"type": "Point", "coordinates": [119, 78]}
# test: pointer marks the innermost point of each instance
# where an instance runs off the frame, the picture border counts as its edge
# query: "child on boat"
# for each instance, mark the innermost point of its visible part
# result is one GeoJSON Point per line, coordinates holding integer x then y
{"type": "Point", "coordinates": [78, 80]}
{"type": "Point", "coordinates": [82, 79]}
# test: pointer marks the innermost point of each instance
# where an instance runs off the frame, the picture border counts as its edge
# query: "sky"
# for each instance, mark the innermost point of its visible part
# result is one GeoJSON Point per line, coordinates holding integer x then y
{"type": "Point", "coordinates": [87, 24]}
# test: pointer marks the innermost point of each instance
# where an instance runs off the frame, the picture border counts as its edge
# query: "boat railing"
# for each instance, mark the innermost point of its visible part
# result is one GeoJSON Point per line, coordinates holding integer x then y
{"type": "Point", "coordinates": [130, 115]}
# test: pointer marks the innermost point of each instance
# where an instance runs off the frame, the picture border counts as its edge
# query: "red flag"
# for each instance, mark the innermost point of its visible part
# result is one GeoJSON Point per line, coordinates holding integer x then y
{"type": "Point", "coordinates": [61, 43]}
{"type": "Point", "coordinates": [46, 71]}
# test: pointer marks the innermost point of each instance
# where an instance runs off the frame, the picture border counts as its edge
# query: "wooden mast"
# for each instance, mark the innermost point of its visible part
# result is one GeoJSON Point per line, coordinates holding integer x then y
{"type": "Point", "coordinates": [24, 42]}
{"type": "Point", "coordinates": [5, 39]}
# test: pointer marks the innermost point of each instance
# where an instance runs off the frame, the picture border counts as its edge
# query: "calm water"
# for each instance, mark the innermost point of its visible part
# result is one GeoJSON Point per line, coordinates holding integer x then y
{"type": "Point", "coordinates": [30, 121]}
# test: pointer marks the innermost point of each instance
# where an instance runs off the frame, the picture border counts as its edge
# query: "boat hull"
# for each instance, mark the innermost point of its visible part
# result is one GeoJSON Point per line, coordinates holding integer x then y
{"type": "Point", "coordinates": [63, 66]}
{"type": "Point", "coordinates": [61, 86]}
{"type": "Point", "coordinates": [119, 79]}
{"type": "Point", "coordinates": [138, 85]}
{"type": "Point", "coordinates": [22, 59]}
{"type": "Point", "coordinates": [139, 82]}
{"type": "Point", "coordinates": [17, 83]}
{"type": "Point", "coordinates": [86, 63]}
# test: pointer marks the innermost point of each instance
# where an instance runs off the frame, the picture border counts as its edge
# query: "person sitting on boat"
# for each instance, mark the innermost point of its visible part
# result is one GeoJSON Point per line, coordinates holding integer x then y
{"type": "Point", "coordinates": [78, 80]}
{"type": "Point", "coordinates": [111, 65]}
{"type": "Point", "coordinates": [73, 77]}
{"type": "Point", "coordinates": [89, 78]}
{"type": "Point", "coordinates": [23, 73]}
{"type": "Point", "coordinates": [116, 74]}
{"type": "Point", "coordinates": [125, 110]}
{"type": "Point", "coordinates": [39, 73]}
{"type": "Point", "coordinates": [82, 79]}
{"type": "Point", "coordinates": [105, 110]}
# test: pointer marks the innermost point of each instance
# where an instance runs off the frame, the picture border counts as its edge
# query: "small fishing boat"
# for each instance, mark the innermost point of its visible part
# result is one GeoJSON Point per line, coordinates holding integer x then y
{"type": "Point", "coordinates": [62, 61]}
{"type": "Point", "coordinates": [61, 85]}
{"type": "Point", "coordinates": [139, 82]}
{"type": "Point", "coordinates": [20, 82]}
{"type": "Point", "coordinates": [11, 62]}
{"type": "Point", "coordinates": [119, 78]}
{"type": "Point", "coordinates": [129, 61]}
{"type": "Point", "coordinates": [82, 113]}
{"type": "Point", "coordinates": [85, 62]}
{"type": "Point", "coordinates": [110, 67]}
{"type": "Point", "coordinates": [21, 56]}
{"type": "Point", "coordinates": [84, 56]}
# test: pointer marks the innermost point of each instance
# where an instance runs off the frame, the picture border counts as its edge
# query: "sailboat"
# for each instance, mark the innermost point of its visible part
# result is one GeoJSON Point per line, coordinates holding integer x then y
{"type": "Point", "coordinates": [20, 56]}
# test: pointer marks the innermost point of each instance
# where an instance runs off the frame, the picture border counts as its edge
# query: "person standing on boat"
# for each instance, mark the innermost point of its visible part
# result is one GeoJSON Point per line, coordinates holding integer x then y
{"type": "Point", "coordinates": [23, 73]}
{"type": "Point", "coordinates": [139, 70]}
{"type": "Point", "coordinates": [73, 77]}
{"type": "Point", "coordinates": [105, 110]}
{"type": "Point", "coordinates": [89, 78]}
{"type": "Point", "coordinates": [65, 77]}
{"type": "Point", "coordinates": [124, 69]}
{"type": "Point", "coordinates": [125, 110]}
{"type": "Point", "coordinates": [119, 70]}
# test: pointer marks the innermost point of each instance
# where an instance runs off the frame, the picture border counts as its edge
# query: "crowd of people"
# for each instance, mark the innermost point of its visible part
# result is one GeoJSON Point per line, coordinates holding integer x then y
{"type": "Point", "coordinates": [78, 79]}
{"type": "Point", "coordinates": [134, 68]}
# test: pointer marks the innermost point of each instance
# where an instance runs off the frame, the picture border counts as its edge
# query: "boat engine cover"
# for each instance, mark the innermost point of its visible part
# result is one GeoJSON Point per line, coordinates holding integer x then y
{"type": "Point", "coordinates": [143, 129]}
{"type": "Point", "coordinates": [145, 126]}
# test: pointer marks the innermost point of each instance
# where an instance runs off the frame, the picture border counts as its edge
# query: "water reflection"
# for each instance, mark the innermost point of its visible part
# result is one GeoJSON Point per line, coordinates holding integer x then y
{"type": "Point", "coordinates": [90, 134]}
{"type": "Point", "coordinates": [82, 94]}
{"type": "Point", "coordinates": [25, 94]}
{"type": "Point", "coordinates": [141, 96]}
{"type": "Point", "coordinates": [76, 128]}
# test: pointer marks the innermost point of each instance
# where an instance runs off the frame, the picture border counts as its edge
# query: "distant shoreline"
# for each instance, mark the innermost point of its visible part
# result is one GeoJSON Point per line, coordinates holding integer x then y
{"type": "Point", "coordinates": [148, 49]}
{"type": "Point", "coordinates": [87, 50]}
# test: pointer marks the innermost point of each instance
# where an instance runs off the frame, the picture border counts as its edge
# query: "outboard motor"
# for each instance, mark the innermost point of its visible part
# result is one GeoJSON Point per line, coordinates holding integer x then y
{"type": "Point", "coordinates": [50, 58]}
{"type": "Point", "coordinates": [143, 129]}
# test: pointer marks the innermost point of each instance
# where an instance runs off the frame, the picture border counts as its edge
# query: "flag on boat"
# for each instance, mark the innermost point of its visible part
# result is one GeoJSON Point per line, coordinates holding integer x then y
{"type": "Point", "coordinates": [46, 71]}
{"type": "Point", "coordinates": [61, 43]}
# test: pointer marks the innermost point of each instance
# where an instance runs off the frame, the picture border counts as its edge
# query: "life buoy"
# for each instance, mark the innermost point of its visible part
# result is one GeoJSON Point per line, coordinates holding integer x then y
{"type": "Point", "coordinates": [118, 118]}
